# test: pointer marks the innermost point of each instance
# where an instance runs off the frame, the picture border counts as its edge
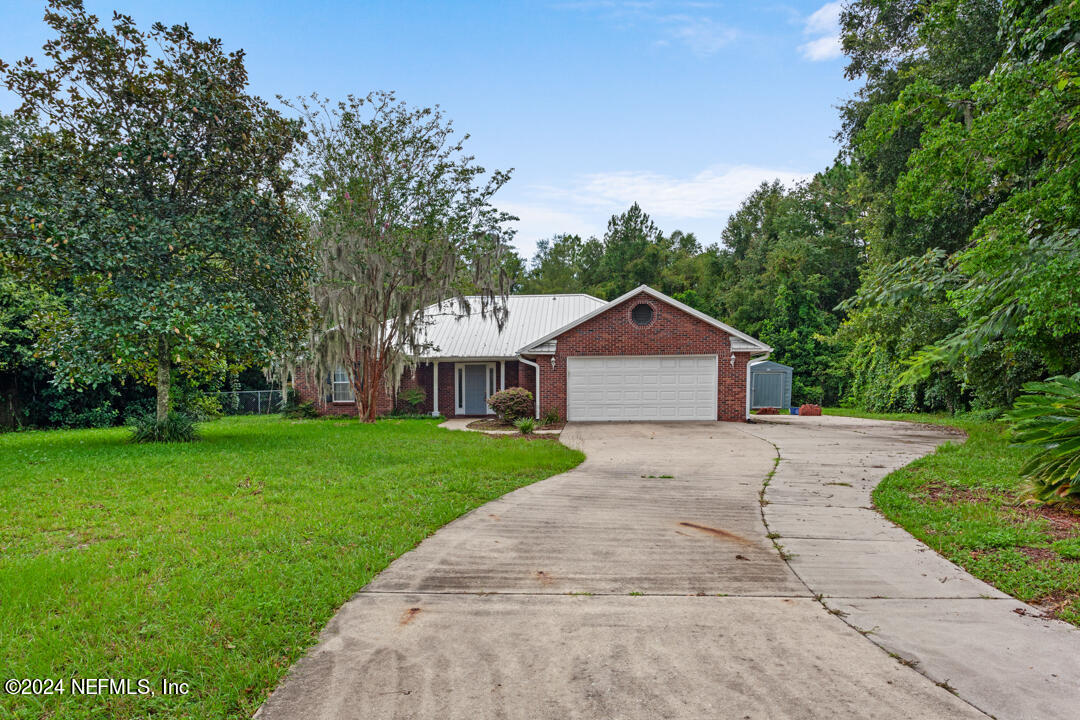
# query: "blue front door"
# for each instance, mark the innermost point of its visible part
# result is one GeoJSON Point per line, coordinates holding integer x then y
{"type": "Point", "coordinates": [475, 390]}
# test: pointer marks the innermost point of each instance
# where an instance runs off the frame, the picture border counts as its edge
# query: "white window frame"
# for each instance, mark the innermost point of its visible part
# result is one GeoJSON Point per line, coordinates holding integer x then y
{"type": "Point", "coordinates": [340, 376]}
{"type": "Point", "coordinates": [493, 379]}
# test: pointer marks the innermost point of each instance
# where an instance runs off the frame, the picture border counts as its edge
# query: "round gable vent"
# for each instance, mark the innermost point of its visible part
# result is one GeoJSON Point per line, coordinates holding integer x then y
{"type": "Point", "coordinates": [642, 314]}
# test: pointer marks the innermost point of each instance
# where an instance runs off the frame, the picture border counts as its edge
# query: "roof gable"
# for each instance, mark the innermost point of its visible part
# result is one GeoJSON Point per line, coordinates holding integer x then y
{"type": "Point", "coordinates": [745, 343]}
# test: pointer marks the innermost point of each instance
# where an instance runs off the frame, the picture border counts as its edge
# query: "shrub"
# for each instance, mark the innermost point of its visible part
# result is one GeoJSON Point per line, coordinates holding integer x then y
{"type": "Point", "coordinates": [511, 403]}
{"type": "Point", "coordinates": [1047, 420]}
{"type": "Point", "coordinates": [413, 398]}
{"type": "Point", "coordinates": [298, 410]}
{"type": "Point", "coordinates": [102, 416]}
{"type": "Point", "coordinates": [985, 415]}
{"type": "Point", "coordinates": [768, 411]}
{"type": "Point", "coordinates": [135, 409]}
{"type": "Point", "coordinates": [203, 407]}
{"type": "Point", "coordinates": [550, 417]}
{"type": "Point", "coordinates": [525, 425]}
{"type": "Point", "coordinates": [176, 427]}
{"type": "Point", "coordinates": [809, 409]}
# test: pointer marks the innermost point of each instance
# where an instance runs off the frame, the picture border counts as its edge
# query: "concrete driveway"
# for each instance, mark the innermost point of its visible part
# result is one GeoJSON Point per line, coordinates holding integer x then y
{"type": "Point", "coordinates": [646, 584]}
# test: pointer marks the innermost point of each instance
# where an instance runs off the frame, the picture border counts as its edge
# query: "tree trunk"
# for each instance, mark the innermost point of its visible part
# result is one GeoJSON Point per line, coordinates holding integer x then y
{"type": "Point", "coordinates": [9, 398]}
{"type": "Point", "coordinates": [163, 378]}
{"type": "Point", "coordinates": [366, 387]}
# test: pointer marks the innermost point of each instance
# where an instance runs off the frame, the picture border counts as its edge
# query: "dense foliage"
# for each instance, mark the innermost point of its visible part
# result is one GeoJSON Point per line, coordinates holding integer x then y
{"type": "Point", "coordinates": [965, 138]}
{"type": "Point", "coordinates": [143, 185]}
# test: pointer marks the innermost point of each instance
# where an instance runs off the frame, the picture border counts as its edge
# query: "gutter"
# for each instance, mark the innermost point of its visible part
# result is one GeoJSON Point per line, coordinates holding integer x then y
{"type": "Point", "coordinates": [536, 367]}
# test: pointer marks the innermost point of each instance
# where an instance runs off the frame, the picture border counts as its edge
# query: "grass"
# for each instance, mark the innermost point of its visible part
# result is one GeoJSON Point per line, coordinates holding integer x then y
{"type": "Point", "coordinates": [216, 563]}
{"type": "Point", "coordinates": [966, 501]}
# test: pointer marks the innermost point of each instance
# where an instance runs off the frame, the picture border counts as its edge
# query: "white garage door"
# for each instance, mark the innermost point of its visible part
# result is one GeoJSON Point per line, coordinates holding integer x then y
{"type": "Point", "coordinates": [641, 387]}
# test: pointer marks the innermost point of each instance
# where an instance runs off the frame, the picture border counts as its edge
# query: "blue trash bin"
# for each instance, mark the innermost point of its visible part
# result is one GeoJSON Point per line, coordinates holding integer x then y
{"type": "Point", "coordinates": [794, 409]}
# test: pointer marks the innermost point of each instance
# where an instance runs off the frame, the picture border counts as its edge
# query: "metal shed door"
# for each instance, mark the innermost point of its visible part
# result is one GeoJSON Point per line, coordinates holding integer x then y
{"type": "Point", "coordinates": [768, 389]}
{"type": "Point", "coordinates": [641, 387]}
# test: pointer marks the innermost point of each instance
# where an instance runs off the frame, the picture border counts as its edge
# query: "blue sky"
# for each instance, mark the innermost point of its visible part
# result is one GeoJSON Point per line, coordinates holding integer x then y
{"type": "Point", "coordinates": [682, 106]}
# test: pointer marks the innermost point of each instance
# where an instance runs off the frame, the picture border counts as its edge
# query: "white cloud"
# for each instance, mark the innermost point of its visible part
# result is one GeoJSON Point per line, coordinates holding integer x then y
{"type": "Point", "coordinates": [680, 22]}
{"type": "Point", "coordinates": [712, 192]}
{"type": "Point", "coordinates": [824, 48]}
{"type": "Point", "coordinates": [700, 202]}
{"type": "Point", "coordinates": [538, 221]}
{"type": "Point", "coordinates": [824, 20]}
{"type": "Point", "coordinates": [824, 23]}
{"type": "Point", "coordinates": [704, 36]}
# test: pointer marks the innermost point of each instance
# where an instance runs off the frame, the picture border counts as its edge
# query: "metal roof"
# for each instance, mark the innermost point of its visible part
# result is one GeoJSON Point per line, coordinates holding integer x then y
{"type": "Point", "coordinates": [766, 365]}
{"type": "Point", "coordinates": [739, 340]}
{"type": "Point", "coordinates": [454, 334]}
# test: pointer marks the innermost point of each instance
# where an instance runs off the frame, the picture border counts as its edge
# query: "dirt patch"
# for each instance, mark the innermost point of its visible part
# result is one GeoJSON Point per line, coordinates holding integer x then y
{"type": "Point", "coordinates": [717, 532]}
{"type": "Point", "coordinates": [409, 615]}
{"type": "Point", "coordinates": [940, 492]}
{"type": "Point", "coordinates": [1037, 555]}
{"type": "Point", "coordinates": [947, 429]}
{"type": "Point", "coordinates": [1061, 523]}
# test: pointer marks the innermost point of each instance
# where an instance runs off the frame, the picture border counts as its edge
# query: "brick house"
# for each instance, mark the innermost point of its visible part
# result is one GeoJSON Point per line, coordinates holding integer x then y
{"type": "Point", "coordinates": [642, 356]}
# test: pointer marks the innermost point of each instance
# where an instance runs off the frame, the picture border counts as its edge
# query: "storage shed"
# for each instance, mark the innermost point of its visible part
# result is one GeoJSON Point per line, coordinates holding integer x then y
{"type": "Point", "coordinates": [770, 384]}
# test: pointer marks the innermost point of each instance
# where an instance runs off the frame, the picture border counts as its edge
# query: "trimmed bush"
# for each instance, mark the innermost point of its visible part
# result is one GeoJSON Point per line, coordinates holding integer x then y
{"type": "Point", "coordinates": [809, 409]}
{"type": "Point", "coordinates": [511, 404]}
{"type": "Point", "coordinates": [176, 427]}
{"type": "Point", "coordinates": [768, 411]}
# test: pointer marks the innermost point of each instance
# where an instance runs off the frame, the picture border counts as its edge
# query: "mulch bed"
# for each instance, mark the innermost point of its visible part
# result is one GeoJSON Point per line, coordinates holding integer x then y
{"type": "Point", "coordinates": [495, 424]}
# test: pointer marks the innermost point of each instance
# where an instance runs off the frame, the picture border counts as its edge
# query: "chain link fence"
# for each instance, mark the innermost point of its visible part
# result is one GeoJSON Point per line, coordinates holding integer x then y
{"type": "Point", "coordinates": [250, 402]}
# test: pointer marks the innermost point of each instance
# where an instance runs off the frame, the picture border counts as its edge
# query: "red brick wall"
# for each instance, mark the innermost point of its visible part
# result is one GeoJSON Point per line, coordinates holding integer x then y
{"type": "Point", "coordinates": [311, 391]}
{"type": "Point", "coordinates": [671, 332]}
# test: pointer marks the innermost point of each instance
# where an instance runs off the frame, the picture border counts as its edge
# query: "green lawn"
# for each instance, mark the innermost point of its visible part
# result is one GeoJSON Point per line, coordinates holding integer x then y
{"type": "Point", "coordinates": [217, 563]}
{"type": "Point", "coordinates": [966, 502]}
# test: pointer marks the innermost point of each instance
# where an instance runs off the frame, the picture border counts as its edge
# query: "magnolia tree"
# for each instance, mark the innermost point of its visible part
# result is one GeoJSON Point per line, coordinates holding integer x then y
{"type": "Point", "coordinates": [147, 183]}
{"type": "Point", "coordinates": [401, 218]}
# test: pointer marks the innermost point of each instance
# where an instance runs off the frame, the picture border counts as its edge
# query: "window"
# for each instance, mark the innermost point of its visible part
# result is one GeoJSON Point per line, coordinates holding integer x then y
{"type": "Point", "coordinates": [491, 380]}
{"type": "Point", "coordinates": [343, 391]}
{"type": "Point", "coordinates": [642, 314]}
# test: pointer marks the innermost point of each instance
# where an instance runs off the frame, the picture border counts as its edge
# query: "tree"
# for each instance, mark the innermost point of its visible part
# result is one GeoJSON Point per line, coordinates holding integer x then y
{"type": "Point", "coordinates": [401, 219]}
{"type": "Point", "coordinates": [634, 252]}
{"type": "Point", "coordinates": [992, 165]}
{"type": "Point", "coordinates": [155, 193]}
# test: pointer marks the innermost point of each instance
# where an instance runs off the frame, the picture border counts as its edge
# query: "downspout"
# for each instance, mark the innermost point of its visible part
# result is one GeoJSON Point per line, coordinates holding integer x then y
{"type": "Point", "coordinates": [535, 367]}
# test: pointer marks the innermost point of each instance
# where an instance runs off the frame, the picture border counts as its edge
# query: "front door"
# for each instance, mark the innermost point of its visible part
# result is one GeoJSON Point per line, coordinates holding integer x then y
{"type": "Point", "coordinates": [475, 394]}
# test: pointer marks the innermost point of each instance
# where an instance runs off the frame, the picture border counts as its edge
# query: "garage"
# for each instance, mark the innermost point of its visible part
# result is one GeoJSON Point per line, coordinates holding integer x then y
{"type": "Point", "coordinates": [641, 387]}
